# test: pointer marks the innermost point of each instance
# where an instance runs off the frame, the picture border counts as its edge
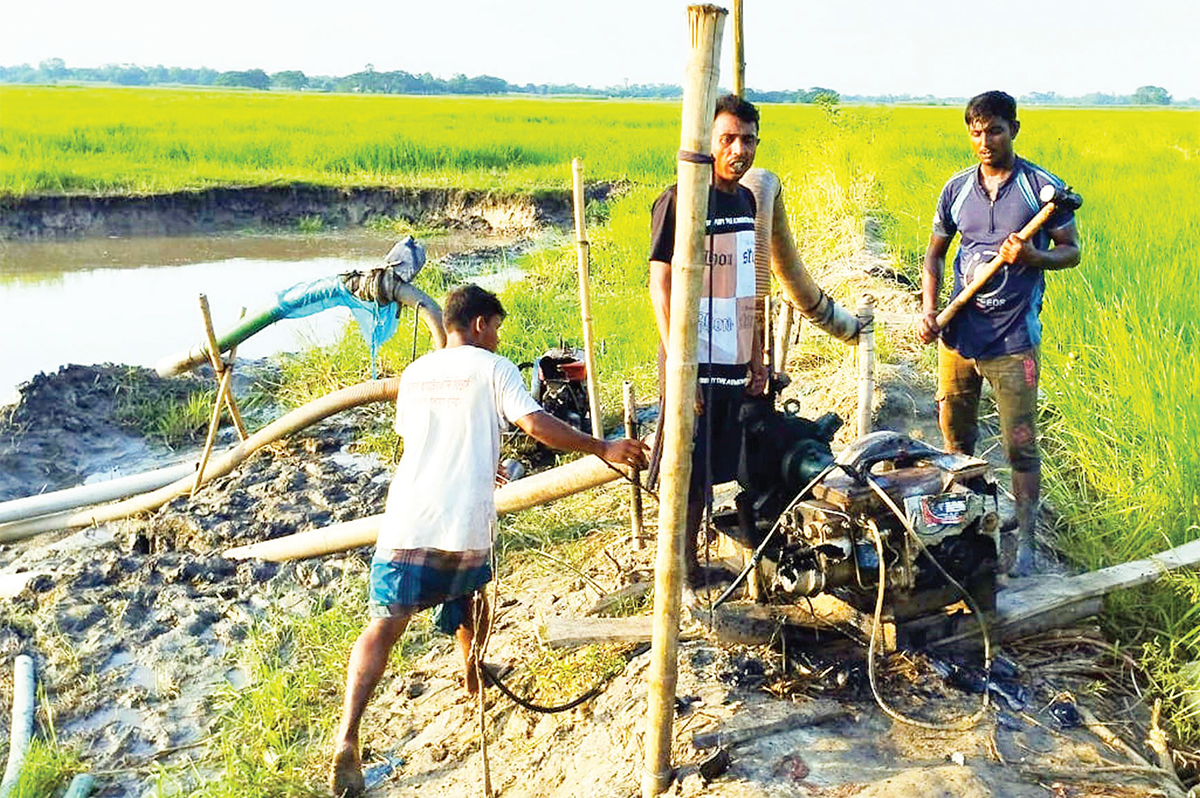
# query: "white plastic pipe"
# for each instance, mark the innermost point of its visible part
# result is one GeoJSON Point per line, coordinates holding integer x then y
{"type": "Point", "coordinates": [314, 411]}
{"type": "Point", "coordinates": [95, 493]}
{"type": "Point", "coordinates": [21, 731]}
{"type": "Point", "coordinates": [574, 477]}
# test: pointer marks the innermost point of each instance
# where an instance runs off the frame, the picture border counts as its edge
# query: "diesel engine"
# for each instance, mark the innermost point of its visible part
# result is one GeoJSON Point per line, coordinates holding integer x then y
{"type": "Point", "coordinates": [888, 507]}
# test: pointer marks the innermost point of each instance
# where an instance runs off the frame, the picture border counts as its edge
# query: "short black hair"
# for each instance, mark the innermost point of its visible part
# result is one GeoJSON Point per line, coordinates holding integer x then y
{"type": "Point", "coordinates": [991, 105]}
{"type": "Point", "coordinates": [742, 109]}
{"type": "Point", "coordinates": [468, 302]}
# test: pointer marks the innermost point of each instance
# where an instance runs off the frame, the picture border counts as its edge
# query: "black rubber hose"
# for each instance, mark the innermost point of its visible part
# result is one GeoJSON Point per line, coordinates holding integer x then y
{"type": "Point", "coordinates": [492, 677]}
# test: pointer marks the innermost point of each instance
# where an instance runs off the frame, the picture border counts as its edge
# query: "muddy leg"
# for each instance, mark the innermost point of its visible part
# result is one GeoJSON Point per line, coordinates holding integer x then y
{"type": "Point", "coordinates": [1026, 492]}
{"type": "Point", "coordinates": [368, 660]}
{"type": "Point", "coordinates": [466, 638]}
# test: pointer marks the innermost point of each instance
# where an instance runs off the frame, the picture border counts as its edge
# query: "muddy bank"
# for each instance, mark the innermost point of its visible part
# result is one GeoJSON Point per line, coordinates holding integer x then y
{"type": "Point", "coordinates": [280, 207]}
{"type": "Point", "coordinates": [131, 623]}
{"type": "Point", "coordinates": [76, 423]}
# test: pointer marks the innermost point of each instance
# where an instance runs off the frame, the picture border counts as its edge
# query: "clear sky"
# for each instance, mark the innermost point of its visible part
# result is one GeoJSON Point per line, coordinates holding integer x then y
{"type": "Point", "coordinates": [938, 47]}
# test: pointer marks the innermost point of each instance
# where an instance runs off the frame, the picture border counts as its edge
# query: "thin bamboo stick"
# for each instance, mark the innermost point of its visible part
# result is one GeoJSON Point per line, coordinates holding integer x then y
{"type": "Point", "coordinates": [636, 526]}
{"type": "Point", "coordinates": [585, 300]}
{"type": "Point", "coordinates": [687, 267]}
{"type": "Point", "coordinates": [739, 51]}
{"type": "Point", "coordinates": [866, 362]}
{"type": "Point", "coordinates": [211, 438]}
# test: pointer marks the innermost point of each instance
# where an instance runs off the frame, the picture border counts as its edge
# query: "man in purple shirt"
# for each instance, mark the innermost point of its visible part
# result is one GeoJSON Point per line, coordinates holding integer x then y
{"type": "Point", "coordinates": [996, 336]}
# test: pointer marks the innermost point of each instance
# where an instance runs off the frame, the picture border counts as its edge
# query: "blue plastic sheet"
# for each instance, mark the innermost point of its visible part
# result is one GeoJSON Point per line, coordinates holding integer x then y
{"type": "Point", "coordinates": [376, 323]}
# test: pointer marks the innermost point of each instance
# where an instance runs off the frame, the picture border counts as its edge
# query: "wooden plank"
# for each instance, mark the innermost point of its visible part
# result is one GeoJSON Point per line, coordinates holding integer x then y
{"type": "Point", "coordinates": [1051, 602]}
{"type": "Point", "coordinates": [756, 624]}
{"type": "Point", "coordinates": [1106, 580]}
{"type": "Point", "coordinates": [812, 713]}
{"type": "Point", "coordinates": [562, 632]}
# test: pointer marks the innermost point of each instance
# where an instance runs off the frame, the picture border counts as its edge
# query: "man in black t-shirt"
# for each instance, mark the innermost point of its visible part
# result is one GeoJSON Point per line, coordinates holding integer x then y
{"type": "Point", "coordinates": [730, 344]}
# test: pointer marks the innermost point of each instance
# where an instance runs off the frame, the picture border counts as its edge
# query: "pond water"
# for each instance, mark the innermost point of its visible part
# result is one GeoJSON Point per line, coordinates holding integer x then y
{"type": "Point", "coordinates": [134, 300]}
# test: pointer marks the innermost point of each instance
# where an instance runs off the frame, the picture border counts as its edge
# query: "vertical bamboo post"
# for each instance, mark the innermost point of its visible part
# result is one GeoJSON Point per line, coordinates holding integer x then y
{"type": "Point", "coordinates": [679, 412]}
{"type": "Point", "coordinates": [739, 51]}
{"type": "Point", "coordinates": [585, 300]}
{"type": "Point", "coordinates": [635, 481]}
{"type": "Point", "coordinates": [866, 362]}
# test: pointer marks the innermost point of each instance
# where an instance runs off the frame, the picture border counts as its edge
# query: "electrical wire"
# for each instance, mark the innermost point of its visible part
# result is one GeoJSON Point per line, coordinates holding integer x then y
{"type": "Point", "coordinates": [961, 725]}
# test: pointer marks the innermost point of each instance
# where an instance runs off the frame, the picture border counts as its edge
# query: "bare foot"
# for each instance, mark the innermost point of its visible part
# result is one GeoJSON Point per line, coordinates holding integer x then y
{"type": "Point", "coordinates": [345, 773]}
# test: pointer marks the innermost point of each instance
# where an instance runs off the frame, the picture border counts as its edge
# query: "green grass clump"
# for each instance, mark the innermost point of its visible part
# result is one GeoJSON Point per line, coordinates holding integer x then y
{"type": "Point", "coordinates": [48, 769]}
{"type": "Point", "coordinates": [174, 414]}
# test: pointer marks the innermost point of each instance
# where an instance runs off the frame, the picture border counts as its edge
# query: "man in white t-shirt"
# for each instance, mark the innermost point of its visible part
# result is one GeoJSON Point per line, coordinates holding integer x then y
{"type": "Point", "coordinates": [435, 541]}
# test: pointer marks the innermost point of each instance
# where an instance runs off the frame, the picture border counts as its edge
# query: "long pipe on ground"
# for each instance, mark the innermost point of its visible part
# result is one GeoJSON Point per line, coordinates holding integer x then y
{"type": "Point", "coordinates": [311, 413]}
{"type": "Point", "coordinates": [21, 728]}
{"type": "Point", "coordinates": [95, 493]}
{"type": "Point", "coordinates": [556, 483]}
{"type": "Point", "coordinates": [776, 254]}
{"type": "Point", "coordinates": [188, 359]}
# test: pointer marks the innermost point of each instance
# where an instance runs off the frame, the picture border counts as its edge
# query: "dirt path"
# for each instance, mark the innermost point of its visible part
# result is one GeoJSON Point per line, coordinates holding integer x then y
{"type": "Point", "coordinates": [130, 623]}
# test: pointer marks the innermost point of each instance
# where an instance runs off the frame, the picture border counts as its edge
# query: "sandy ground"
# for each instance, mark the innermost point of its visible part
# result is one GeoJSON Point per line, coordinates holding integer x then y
{"type": "Point", "coordinates": [131, 623]}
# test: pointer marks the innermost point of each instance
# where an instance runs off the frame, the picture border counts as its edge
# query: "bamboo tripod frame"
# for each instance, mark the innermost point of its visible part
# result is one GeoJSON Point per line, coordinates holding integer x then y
{"type": "Point", "coordinates": [687, 270]}
{"type": "Point", "coordinates": [224, 375]}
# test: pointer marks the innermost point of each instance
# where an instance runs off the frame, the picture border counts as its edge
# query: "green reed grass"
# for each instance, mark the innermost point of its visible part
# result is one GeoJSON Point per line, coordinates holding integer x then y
{"type": "Point", "coordinates": [65, 139]}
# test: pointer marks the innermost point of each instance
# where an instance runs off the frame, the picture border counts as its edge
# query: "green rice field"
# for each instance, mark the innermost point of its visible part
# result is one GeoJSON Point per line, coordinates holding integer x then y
{"type": "Point", "coordinates": [1122, 386]}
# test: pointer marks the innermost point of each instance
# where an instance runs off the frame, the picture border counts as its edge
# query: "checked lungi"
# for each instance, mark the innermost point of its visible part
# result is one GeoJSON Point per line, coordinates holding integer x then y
{"type": "Point", "coordinates": [406, 580]}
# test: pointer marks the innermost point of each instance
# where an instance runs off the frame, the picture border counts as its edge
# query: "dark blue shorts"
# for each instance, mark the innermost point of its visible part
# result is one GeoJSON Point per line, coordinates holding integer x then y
{"type": "Point", "coordinates": [404, 581]}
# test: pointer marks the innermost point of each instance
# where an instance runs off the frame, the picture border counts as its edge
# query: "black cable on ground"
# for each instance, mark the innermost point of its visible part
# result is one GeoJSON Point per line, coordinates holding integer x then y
{"type": "Point", "coordinates": [492, 677]}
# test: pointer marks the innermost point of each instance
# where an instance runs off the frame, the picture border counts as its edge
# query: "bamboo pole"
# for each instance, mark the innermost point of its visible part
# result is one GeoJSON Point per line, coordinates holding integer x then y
{"type": "Point", "coordinates": [866, 362]}
{"type": "Point", "coordinates": [636, 526]}
{"type": "Point", "coordinates": [739, 51]}
{"type": "Point", "coordinates": [687, 272]}
{"type": "Point", "coordinates": [585, 300]}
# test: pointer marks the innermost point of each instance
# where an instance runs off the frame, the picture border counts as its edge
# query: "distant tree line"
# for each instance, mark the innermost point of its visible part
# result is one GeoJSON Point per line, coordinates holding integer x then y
{"type": "Point", "coordinates": [369, 81]}
{"type": "Point", "coordinates": [1145, 95]}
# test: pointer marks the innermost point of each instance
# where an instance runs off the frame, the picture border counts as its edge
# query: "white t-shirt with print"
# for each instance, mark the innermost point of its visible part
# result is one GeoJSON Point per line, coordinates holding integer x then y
{"type": "Point", "coordinates": [451, 408]}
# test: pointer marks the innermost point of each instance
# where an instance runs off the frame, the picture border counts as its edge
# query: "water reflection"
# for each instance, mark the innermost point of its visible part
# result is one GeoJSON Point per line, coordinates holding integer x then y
{"type": "Point", "coordinates": [134, 300]}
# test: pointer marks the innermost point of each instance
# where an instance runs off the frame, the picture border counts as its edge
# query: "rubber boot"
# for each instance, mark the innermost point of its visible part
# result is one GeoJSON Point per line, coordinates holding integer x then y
{"type": "Point", "coordinates": [1026, 491]}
